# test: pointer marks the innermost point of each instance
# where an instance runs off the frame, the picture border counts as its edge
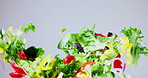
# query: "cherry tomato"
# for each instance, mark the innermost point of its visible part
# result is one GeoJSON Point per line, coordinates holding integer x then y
{"type": "Point", "coordinates": [22, 55]}
{"type": "Point", "coordinates": [68, 59]}
{"type": "Point", "coordinates": [101, 35]}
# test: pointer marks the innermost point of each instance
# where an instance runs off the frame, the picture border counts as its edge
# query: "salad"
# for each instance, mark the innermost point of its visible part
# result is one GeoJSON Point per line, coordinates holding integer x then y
{"type": "Point", "coordinates": [88, 54]}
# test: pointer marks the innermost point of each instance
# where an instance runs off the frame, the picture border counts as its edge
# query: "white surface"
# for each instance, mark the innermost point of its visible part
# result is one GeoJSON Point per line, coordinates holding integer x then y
{"type": "Point", "coordinates": [50, 16]}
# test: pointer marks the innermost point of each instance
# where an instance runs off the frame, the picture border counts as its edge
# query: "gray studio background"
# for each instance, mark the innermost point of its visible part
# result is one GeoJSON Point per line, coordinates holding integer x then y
{"type": "Point", "coordinates": [49, 16]}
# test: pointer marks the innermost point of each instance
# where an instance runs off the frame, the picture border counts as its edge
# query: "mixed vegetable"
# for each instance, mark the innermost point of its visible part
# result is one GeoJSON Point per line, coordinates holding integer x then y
{"type": "Point", "coordinates": [88, 54]}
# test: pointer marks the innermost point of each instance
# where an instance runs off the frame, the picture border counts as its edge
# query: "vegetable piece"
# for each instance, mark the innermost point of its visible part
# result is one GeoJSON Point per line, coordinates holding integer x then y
{"type": "Point", "coordinates": [101, 35]}
{"type": "Point", "coordinates": [63, 30]}
{"type": "Point", "coordinates": [109, 34]}
{"type": "Point", "coordinates": [134, 36]}
{"type": "Point", "coordinates": [17, 68]}
{"type": "Point", "coordinates": [19, 72]}
{"type": "Point", "coordinates": [82, 68]}
{"type": "Point", "coordinates": [118, 56]}
{"type": "Point", "coordinates": [88, 40]}
{"type": "Point", "coordinates": [44, 65]}
{"type": "Point", "coordinates": [54, 74]}
{"type": "Point", "coordinates": [87, 63]}
{"type": "Point", "coordinates": [27, 28]}
{"type": "Point", "coordinates": [22, 55]}
{"type": "Point", "coordinates": [79, 47]}
{"type": "Point", "coordinates": [123, 68]}
{"type": "Point", "coordinates": [16, 75]}
{"type": "Point", "coordinates": [1, 50]}
{"type": "Point", "coordinates": [68, 59]}
{"type": "Point", "coordinates": [51, 65]}
{"type": "Point", "coordinates": [117, 64]}
{"type": "Point", "coordinates": [3, 45]}
{"type": "Point", "coordinates": [33, 52]}
{"type": "Point", "coordinates": [66, 43]}
{"type": "Point", "coordinates": [79, 71]}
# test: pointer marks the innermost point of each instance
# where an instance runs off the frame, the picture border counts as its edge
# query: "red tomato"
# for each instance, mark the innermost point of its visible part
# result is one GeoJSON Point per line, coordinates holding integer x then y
{"type": "Point", "coordinates": [100, 35]}
{"type": "Point", "coordinates": [118, 64]}
{"type": "Point", "coordinates": [22, 55]}
{"type": "Point", "coordinates": [68, 59]}
{"type": "Point", "coordinates": [17, 68]}
{"type": "Point", "coordinates": [15, 75]}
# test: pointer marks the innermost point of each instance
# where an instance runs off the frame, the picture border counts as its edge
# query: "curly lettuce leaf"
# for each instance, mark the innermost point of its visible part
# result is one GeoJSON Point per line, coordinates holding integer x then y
{"type": "Point", "coordinates": [134, 36]}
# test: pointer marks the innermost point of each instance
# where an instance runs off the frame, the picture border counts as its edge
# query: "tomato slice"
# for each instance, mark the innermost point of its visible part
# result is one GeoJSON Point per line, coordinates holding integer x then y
{"type": "Point", "coordinates": [17, 68]}
{"type": "Point", "coordinates": [101, 35]}
{"type": "Point", "coordinates": [22, 55]}
{"type": "Point", "coordinates": [15, 75]}
{"type": "Point", "coordinates": [118, 64]}
{"type": "Point", "coordinates": [68, 59]}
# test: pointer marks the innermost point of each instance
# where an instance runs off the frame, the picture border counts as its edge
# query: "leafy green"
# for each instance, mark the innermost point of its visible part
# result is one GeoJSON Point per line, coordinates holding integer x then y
{"type": "Point", "coordinates": [1, 34]}
{"type": "Point", "coordinates": [67, 42]}
{"type": "Point", "coordinates": [33, 52]}
{"type": "Point", "coordinates": [3, 44]}
{"type": "Point", "coordinates": [63, 30]}
{"type": "Point", "coordinates": [88, 41]}
{"type": "Point", "coordinates": [28, 28]}
{"type": "Point", "coordinates": [93, 27]}
{"type": "Point", "coordinates": [134, 35]}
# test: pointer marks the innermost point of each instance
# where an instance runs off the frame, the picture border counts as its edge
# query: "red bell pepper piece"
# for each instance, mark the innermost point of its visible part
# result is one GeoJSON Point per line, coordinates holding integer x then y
{"type": "Point", "coordinates": [87, 63]}
{"type": "Point", "coordinates": [22, 55]}
{"type": "Point", "coordinates": [16, 75]}
{"type": "Point", "coordinates": [101, 35]}
{"type": "Point", "coordinates": [118, 56]}
{"type": "Point", "coordinates": [17, 68]}
{"type": "Point", "coordinates": [79, 71]}
{"type": "Point", "coordinates": [82, 68]}
{"type": "Point", "coordinates": [68, 59]}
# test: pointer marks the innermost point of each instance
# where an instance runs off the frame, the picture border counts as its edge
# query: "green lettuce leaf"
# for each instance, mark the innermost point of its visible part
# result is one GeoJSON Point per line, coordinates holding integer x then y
{"type": "Point", "coordinates": [134, 36]}
{"type": "Point", "coordinates": [28, 28]}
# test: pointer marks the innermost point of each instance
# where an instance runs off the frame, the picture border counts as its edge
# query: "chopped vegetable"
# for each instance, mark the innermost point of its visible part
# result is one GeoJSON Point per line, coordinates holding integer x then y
{"type": "Point", "coordinates": [22, 55]}
{"type": "Point", "coordinates": [16, 75]}
{"type": "Point", "coordinates": [68, 59]}
{"type": "Point", "coordinates": [100, 35]}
